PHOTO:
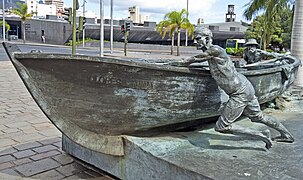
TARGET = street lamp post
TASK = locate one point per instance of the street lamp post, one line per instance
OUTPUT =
(101, 28)
(3, 21)
(111, 26)
(74, 27)
(83, 31)
(186, 33)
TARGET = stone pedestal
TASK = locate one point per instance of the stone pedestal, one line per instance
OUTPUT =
(203, 154)
(136, 164)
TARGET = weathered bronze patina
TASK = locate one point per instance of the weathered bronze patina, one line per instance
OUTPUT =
(242, 99)
(95, 101)
(252, 54)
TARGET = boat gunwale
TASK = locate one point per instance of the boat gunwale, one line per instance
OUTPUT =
(114, 60)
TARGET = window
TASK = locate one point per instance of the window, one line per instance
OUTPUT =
(214, 28)
(234, 28)
(231, 43)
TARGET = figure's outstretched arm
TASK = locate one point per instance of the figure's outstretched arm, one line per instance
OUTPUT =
(272, 54)
(194, 59)
(278, 56)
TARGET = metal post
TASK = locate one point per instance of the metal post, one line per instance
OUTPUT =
(125, 42)
(111, 27)
(187, 8)
(74, 28)
(186, 33)
(3, 21)
(83, 31)
(101, 28)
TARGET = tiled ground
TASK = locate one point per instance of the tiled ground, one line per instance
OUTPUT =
(30, 146)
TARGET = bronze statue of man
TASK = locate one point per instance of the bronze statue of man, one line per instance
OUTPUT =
(252, 54)
(242, 99)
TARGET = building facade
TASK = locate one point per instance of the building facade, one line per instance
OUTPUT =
(40, 9)
(135, 16)
(31, 6)
(57, 3)
(200, 21)
(44, 9)
(230, 15)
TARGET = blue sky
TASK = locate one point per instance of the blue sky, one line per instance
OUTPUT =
(212, 11)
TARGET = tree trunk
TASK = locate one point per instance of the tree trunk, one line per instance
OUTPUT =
(297, 38)
(178, 43)
(186, 37)
(264, 45)
(23, 27)
(172, 44)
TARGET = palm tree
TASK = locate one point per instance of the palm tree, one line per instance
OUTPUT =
(297, 38)
(273, 7)
(271, 15)
(175, 21)
(162, 25)
(7, 26)
(22, 13)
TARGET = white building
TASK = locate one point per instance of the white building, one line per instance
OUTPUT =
(135, 16)
(143, 18)
(57, 3)
(41, 10)
(31, 6)
(200, 21)
(44, 9)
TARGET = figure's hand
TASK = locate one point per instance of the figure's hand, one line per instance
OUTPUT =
(220, 60)
(182, 63)
(287, 54)
(202, 55)
(194, 59)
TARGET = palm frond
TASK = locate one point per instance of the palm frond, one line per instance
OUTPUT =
(253, 7)
(173, 22)
(171, 28)
(21, 11)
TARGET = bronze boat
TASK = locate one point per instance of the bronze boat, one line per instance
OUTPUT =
(96, 101)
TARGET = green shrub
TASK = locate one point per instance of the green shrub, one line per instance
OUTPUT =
(79, 42)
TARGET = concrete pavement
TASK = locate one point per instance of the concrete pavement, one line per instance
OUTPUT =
(30, 146)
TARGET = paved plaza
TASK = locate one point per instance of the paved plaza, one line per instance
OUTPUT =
(30, 145)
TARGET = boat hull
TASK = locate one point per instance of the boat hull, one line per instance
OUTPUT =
(95, 101)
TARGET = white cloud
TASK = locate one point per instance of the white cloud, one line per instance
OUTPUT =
(156, 9)
(210, 10)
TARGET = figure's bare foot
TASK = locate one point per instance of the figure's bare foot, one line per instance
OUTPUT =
(265, 137)
(284, 138)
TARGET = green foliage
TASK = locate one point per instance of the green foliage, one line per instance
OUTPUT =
(240, 52)
(276, 29)
(270, 7)
(79, 42)
(7, 26)
(255, 30)
(286, 25)
(22, 11)
(277, 20)
(173, 22)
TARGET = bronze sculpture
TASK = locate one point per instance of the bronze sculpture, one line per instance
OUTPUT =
(242, 99)
(252, 54)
